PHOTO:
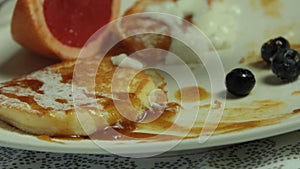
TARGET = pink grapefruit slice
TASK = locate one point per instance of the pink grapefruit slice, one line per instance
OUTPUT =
(59, 29)
(141, 24)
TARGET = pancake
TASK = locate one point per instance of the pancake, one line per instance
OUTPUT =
(44, 101)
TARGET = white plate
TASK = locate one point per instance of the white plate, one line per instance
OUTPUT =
(271, 108)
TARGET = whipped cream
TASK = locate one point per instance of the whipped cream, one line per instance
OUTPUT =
(218, 23)
(123, 60)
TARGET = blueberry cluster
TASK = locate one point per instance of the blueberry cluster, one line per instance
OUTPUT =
(285, 62)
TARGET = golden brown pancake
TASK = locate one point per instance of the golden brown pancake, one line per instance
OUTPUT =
(43, 102)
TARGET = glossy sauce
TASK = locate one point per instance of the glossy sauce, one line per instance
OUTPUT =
(28, 99)
(114, 134)
(127, 130)
(272, 8)
(192, 94)
(296, 47)
(63, 101)
(48, 139)
(34, 85)
(130, 131)
(255, 114)
(296, 93)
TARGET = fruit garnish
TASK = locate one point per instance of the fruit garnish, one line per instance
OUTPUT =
(286, 65)
(272, 46)
(240, 82)
(140, 39)
(59, 29)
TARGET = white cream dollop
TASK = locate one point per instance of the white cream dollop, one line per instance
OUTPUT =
(123, 60)
(219, 22)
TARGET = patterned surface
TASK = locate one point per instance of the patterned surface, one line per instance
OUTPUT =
(277, 152)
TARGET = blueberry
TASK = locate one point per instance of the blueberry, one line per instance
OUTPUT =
(286, 65)
(269, 48)
(240, 82)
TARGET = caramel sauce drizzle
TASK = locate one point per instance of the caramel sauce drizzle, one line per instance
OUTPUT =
(234, 121)
(28, 99)
(192, 94)
(34, 85)
(49, 139)
(164, 122)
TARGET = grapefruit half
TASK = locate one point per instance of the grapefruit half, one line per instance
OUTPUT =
(140, 25)
(59, 29)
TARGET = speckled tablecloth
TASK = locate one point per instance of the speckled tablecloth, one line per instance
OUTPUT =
(276, 152)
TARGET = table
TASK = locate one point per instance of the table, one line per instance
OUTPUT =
(277, 152)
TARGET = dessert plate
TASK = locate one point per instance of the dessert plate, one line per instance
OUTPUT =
(272, 108)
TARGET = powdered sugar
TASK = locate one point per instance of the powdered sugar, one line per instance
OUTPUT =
(52, 89)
